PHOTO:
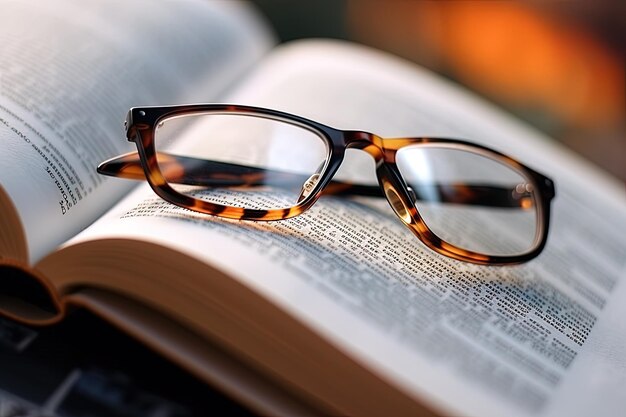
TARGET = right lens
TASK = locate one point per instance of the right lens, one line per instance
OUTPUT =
(240, 160)
(472, 199)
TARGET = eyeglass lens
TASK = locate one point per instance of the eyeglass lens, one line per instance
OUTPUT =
(240, 160)
(470, 200)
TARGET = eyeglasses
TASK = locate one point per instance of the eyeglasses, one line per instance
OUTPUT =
(462, 200)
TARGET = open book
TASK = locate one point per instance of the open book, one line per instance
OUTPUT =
(338, 311)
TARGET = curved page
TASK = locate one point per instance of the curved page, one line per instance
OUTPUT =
(69, 72)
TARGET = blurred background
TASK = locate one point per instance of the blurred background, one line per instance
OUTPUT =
(559, 65)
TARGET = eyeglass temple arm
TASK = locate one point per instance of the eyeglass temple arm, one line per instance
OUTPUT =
(194, 171)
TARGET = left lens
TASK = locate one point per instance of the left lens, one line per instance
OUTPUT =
(240, 160)
(471, 198)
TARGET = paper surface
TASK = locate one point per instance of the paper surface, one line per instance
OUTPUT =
(69, 73)
(543, 338)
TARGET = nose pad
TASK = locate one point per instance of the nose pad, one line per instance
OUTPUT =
(308, 186)
(398, 205)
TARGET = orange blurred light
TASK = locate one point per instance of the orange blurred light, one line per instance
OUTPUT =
(507, 50)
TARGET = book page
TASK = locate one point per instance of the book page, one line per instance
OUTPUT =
(69, 72)
(542, 338)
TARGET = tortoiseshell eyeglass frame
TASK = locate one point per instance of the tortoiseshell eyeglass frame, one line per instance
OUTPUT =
(142, 121)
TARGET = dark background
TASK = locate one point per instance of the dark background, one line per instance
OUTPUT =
(557, 65)
(84, 367)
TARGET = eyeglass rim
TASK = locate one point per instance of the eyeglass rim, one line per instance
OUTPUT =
(151, 116)
(140, 127)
